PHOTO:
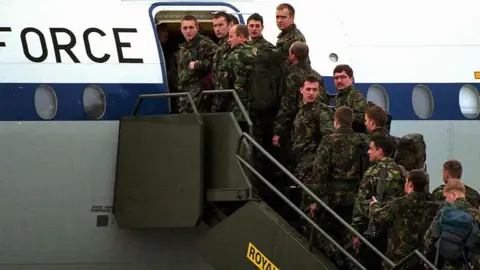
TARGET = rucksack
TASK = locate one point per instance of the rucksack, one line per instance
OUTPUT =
(458, 235)
(411, 151)
(265, 79)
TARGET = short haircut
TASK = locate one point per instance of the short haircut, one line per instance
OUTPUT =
(378, 115)
(341, 68)
(255, 17)
(419, 179)
(344, 116)
(384, 143)
(454, 168)
(241, 29)
(455, 185)
(290, 8)
(300, 50)
(224, 15)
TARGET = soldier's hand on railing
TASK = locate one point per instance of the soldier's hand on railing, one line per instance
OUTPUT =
(275, 140)
(356, 242)
(313, 208)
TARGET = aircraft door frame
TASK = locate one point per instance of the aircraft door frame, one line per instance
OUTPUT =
(180, 6)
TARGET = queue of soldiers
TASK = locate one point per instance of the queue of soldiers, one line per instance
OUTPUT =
(343, 153)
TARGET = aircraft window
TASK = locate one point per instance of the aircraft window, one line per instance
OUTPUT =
(378, 95)
(333, 57)
(94, 101)
(46, 102)
(469, 101)
(422, 100)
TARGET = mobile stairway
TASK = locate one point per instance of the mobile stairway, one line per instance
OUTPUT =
(194, 170)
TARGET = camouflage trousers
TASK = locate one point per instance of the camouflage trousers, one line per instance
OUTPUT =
(184, 105)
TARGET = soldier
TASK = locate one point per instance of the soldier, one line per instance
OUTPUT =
(194, 61)
(375, 121)
(222, 22)
(314, 120)
(454, 193)
(285, 16)
(383, 176)
(234, 19)
(403, 219)
(452, 169)
(349, 96)
(290, 100)
(255, 29)
(240, 65)
(339, 164)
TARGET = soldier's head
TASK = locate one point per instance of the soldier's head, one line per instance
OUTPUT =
(452, 169)
(342, 77)
(453, 190)
(298, 52)
(380, 147)
(255, 26)
(343, 117)
(162, 31)
(234, 19)
(189, 27)
(222, 22)
(310, 89)
(375, 117)
(285, 16)
(238, 35)
(416, 181)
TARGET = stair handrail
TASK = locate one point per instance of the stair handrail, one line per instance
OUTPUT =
(237, 100)
(316, 198)
(142, 97)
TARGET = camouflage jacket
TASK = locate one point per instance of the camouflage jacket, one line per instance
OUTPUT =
(287, 37)
(433, 234)
(240, 67)
(368, 188)
(353, 99)
(313, 121)
(261, 43)
(291, 101)
(338, 166)
(219, 66)
(471, 195)
(199, 49)
(403, 219)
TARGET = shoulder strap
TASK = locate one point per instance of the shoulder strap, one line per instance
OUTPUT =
(381, 184)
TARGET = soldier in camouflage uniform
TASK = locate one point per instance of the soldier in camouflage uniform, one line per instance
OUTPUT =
(194, 60)
(454, 193)
(403, 219)
(240, 66)
(290, 100)
(314, 120)
(349, 96)
(339, 164)
(285, 15)
(375, 121)
(222, 22)
(452, 169)
(255, 29)
(379, 152)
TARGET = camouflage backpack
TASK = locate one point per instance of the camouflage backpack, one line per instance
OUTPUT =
(265, 79)
(411, 151)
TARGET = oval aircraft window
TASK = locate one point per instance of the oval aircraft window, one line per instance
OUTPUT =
(468, 99)
(422, 100)
(94, 101)
(378, 95)
(46, 103)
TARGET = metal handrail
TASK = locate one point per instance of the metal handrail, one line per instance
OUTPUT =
(315, 197)
(326, 207)
(307, 218)
(237, 100)
(409, 256)
(164, 95)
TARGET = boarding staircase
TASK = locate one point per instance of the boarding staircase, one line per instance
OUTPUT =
(194, 170)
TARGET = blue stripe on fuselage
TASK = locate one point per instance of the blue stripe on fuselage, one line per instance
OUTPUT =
(17, 100)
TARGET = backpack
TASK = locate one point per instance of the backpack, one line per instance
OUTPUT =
(411, 151)
(458, 235)
(265, 79)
